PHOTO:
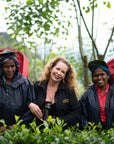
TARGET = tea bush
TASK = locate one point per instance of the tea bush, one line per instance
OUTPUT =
(52, 133)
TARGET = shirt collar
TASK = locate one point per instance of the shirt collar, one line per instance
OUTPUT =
(106, 90)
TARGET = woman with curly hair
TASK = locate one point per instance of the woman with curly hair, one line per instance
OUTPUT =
(57, 87)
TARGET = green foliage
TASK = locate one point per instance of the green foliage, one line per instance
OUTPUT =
(35, 71)
(53, 133)
(41, 19)
(35, 17)
(6, 41)
(108, 4)
(90, 7)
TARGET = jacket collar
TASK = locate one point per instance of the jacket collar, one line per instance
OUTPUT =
(108, 99)
(17, 80)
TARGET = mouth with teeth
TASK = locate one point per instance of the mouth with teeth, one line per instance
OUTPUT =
(57, 77)
(100, 82)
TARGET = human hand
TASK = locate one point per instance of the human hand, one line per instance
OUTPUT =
(36, 110)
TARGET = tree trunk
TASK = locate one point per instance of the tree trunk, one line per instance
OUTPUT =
(85, 71)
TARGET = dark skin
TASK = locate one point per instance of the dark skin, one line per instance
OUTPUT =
(9, 69)
(100, 78)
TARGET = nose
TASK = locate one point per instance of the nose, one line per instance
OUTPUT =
(59, 72)
(9, 68)
(99, 77)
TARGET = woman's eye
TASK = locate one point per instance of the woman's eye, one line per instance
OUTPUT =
(102, 74)
(57, 68)
(12, 66)
(5, 66)
(63, 72)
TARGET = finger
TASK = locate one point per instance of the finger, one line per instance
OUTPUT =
(39, 114)
(41, 119)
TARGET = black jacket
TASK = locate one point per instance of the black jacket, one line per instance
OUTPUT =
(66, 103)
(90, 107)
(14, 98)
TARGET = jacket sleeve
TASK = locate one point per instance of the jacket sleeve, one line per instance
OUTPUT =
(73, 117)
(84, 113)
(27, 118)
(30, 94)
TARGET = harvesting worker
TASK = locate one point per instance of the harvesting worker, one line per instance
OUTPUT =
(97, 102)
(57, 86)
(16, 91)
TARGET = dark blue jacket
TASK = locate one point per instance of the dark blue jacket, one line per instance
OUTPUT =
(90, 107)
(66, 104)
(14, 98)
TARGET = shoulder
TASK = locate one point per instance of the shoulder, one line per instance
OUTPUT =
(41, 84)
(20, 80)
(91, 87)
(68, 90)
(25, 82)
(63, 85)
(111, 88)
(89, 91)
(36, 83)
(112, 84)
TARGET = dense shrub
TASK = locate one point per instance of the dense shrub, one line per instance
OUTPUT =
(54, 134)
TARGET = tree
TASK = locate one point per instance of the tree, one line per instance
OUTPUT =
(6, 42)
(41, 18)
(95, 53)
(34, 18)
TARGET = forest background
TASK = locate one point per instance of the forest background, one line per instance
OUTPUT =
(79, 31)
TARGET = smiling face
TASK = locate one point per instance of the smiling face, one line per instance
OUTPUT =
(58, 72)
(100, 77)
(9, 69)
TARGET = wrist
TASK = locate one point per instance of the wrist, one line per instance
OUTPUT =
(30, 104)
